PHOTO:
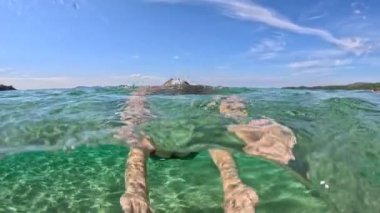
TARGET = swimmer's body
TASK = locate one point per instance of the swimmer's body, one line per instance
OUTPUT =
(263, 137)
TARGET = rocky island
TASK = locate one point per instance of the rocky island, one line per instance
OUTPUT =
(5, 88)
(356, 86)
(179, 86)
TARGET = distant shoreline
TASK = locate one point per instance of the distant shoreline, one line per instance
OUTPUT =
(375, 87)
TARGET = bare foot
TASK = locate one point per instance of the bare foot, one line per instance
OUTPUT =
(267, 139)
(240, 198)
(134, 203)
(233, 107)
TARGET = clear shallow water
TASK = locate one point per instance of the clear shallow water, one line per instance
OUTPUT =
(58, 151)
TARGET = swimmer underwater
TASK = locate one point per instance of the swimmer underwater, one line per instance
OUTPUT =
(261, 137)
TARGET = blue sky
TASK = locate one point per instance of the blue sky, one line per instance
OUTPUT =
(255, 43)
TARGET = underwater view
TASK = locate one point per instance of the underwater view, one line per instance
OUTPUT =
(189, 106)
(59, 153)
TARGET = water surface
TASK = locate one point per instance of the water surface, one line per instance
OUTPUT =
(58, 152)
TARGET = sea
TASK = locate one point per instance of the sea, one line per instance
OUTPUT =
(59, 153)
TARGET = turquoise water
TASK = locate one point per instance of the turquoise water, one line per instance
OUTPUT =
(58, 153)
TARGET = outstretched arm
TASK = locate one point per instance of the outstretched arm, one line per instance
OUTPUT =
(136, 196)
(263, 138)
(237, 196)
(226, 165)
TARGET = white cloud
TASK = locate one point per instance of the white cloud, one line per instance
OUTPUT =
(316, 17)
(267, 48)
(249, 11)
(327, 54)
(6, 69)
(139, 76)
(37, 78)
(318, 64)
(176, 57)
(135, 79)
(359, 9)
(322, 67)
(136, 57)
(36, 82)
(250, 80)
(42, 82)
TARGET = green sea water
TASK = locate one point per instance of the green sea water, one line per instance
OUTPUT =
(58, 153)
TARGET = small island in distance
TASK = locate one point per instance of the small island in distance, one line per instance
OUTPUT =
(355, 86)
(5, 88)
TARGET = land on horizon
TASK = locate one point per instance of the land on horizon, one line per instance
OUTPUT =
(375, 86)
(354, 86)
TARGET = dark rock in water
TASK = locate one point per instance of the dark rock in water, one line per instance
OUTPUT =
(175, 82)
(178, 86)
(4, 88)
